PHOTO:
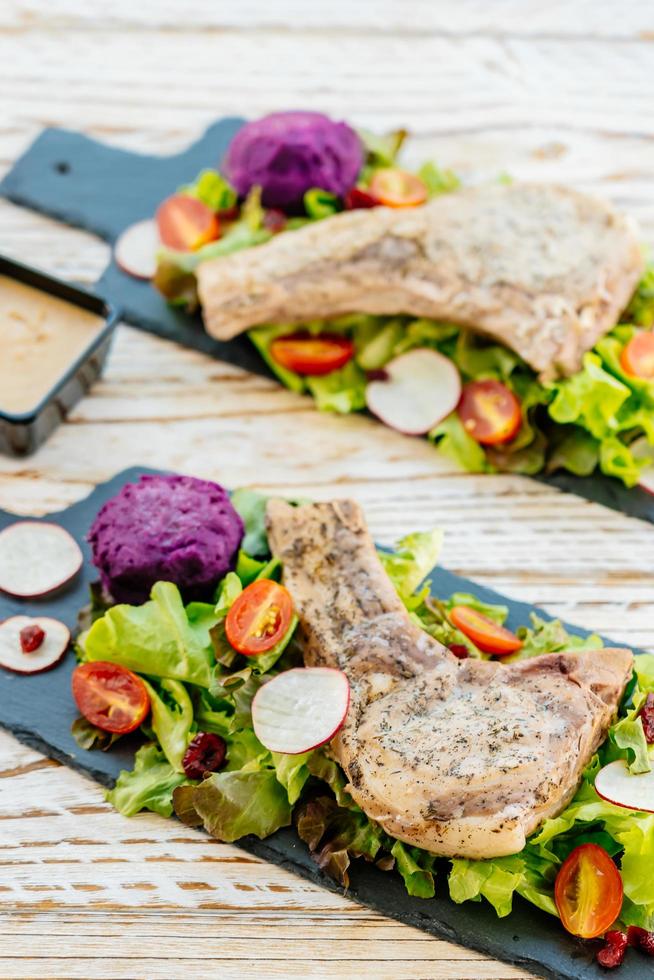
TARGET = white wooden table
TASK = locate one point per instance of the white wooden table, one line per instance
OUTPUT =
(557, 91)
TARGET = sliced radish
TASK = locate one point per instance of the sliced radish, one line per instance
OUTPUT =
(300, 709)
(615, 784)
(417, 391)
(136, 249)
(54, 645)
(37, 557)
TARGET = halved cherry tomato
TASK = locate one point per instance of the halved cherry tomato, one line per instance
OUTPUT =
(185, 223)
(314, 356)
(588, 891)
(490, 412)
(637, 357)
(110, 696)
(259, 617)
(397, 188)
(484, 633)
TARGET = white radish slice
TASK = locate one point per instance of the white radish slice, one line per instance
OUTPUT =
(36, 558)
(55, 643)
(418, 390)
(615, 784)
(300, 709)
(136, 249)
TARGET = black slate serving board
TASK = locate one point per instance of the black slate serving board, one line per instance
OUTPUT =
(39, 710)
(104, 190)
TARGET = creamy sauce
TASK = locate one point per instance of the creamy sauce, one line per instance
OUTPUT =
(40, 338)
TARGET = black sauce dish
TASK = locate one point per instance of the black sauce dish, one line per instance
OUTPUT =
(21, 433)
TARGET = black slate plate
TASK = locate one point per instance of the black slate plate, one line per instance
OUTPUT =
(39, 711)
(104, 189)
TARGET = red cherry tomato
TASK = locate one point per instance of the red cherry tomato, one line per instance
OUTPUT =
(588, 891)
(637, 357)
(185, 223)
(397, 188)
(259, 618)
(304, 354)
(484, 633)
(490, 412)
(111, 697)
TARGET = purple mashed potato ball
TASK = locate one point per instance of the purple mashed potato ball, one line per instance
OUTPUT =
(287, 153)
(165, 528)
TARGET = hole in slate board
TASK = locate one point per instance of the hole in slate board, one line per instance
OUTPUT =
(62, 167)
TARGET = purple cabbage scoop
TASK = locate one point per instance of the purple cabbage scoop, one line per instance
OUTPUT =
(172, 528)
(287, 153)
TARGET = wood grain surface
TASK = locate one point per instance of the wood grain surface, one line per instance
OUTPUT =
(558, 91)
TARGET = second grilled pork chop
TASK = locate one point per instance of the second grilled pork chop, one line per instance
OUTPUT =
(544, 270)
(463, 758)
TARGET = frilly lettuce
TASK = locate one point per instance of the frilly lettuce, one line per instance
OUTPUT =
(148, 786)
(158, 638)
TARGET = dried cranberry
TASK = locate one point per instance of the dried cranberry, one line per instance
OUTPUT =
(205, 753)
(31, 638)
(612, 954)
(274, 220)
(356, 198)
(377, 374)
(641, 938)
(459, 650)
(647, 718)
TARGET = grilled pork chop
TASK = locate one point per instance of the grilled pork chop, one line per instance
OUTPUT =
(463, 758)
(544, 270)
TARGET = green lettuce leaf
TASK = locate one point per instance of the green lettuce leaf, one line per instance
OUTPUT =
(590, 398)
(381, 149)
(478, 359)
(413, 558)
(550, 636)
(252, 508)
(417, 869)
(574, 450)
(641, 307)
(320, 204)
(232, 805)
(437, 180)
(629, 735)
(148, 786)
(453, 440)
(292, 772)
(341, 391)
(156, 638)
(171, 718)
(88, 736)
(497, 881)
(212, 189)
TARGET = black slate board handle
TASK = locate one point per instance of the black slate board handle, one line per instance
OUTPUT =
(102, 188)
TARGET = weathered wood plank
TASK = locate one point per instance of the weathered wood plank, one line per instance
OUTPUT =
(366, 19)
